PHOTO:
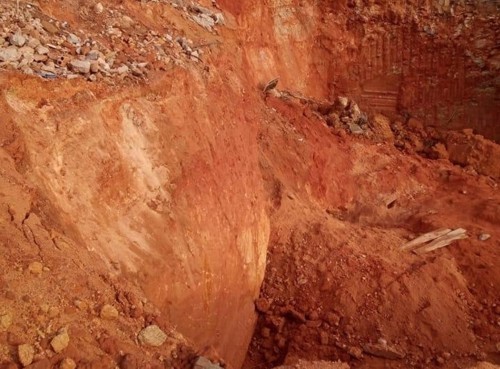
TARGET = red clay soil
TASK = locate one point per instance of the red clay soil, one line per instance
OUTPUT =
(171, 195)
(336, 278)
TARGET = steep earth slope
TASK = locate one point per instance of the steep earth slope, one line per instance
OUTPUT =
(141, 157)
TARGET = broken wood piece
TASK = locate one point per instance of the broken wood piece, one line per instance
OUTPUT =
(443, 241)
(425, 238)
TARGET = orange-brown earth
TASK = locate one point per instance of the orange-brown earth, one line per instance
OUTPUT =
(173, 196)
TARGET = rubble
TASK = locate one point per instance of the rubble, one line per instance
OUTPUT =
(50, 49)
(152, 336)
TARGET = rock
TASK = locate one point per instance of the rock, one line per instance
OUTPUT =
(42, 50)
(74, 39)
(323, 338)
(484, 237)
(109, 312)
(126, 22)
(36, 268)
(17, 39)
(341, 103)
(98, 8)
(152, 336)
(67, 363)
(122, 70)
(382, 127)
(25, 354)
(355, 129)
(383, 351)
(80, 66)
(203, 363)
(94, 66)
(40, 58)
(33, 42)
(355, 352)
(262, 305)
(5, 321)
(60, 341)
(49, 27)
(93, 55)
(9, 54)
(204, 20)
(438, 151)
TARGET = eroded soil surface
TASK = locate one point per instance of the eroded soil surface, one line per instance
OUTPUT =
(156, 205)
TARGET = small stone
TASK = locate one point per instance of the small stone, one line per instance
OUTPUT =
(80, 66)
(5, 321)
(67, 363)
(93, 55)
(109, 312)
(122, 70)
(440, 360)
(60, 342)
(203, 363)
(42, 50)
(342, 102)
(33, 42)
(152, 336)
(484, 237)
(81, 305)
(355, 129)
(49, 27)
(40, 58)
(98, 8)
(355, 352)
(126, 22)
(25, 354)
(17, 39)
(94, 67)
(74, 39)
(36, 268)
(9, 54)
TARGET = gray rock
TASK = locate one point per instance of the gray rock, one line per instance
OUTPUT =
(9, 54)
(74, 39)
(203, 363)
(17, 39)
(80, 66)
(152, 336)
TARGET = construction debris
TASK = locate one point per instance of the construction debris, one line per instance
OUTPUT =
(440, 238)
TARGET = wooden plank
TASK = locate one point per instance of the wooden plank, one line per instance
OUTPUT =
(425, 238)
(447, 239)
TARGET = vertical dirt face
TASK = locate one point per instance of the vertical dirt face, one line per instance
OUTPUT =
(432, 60)
(162, 186)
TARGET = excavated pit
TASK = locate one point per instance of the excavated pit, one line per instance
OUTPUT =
(256, 229)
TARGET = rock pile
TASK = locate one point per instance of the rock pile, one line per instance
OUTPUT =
(35, 44)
